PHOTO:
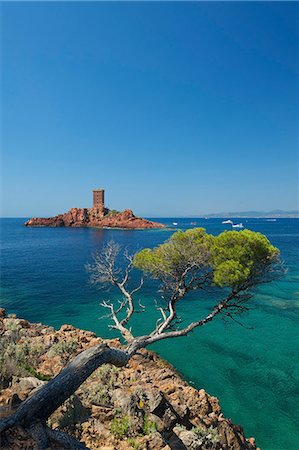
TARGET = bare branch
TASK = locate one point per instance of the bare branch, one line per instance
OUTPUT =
(127, 335)
(121, 306)
(185, 266)
(158, 335)
(138, 287)
(103, 270)
(129, 300)
(141, 306)
(129, 266)
(179, 294)
(163, 313)
(144, 341)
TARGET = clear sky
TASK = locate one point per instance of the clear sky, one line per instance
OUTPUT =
(176, 109)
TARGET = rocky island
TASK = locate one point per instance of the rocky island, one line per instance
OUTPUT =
(145, 405)
(98, 216)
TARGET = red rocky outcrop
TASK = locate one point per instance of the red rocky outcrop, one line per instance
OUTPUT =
(147, 391)
(93, 217)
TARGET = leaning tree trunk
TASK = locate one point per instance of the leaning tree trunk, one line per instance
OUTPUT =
(33, 413)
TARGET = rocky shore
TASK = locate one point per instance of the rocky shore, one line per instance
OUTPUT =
(145, 405)
(94, 217)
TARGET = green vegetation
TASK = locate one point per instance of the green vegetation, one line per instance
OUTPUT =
(99, 396)
(205, 438)
(120, 427)
(13, 326)
(149, 426)
(134, 444)
(233, 263)
(32, 371)
(240, 256)
(107, 374)
(113, 212)
(232, 258)
(210, 435)
(98, 393)
(125, 426)
(65, 349)
(18, 356)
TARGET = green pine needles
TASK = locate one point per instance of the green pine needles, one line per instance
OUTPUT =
(231, 259)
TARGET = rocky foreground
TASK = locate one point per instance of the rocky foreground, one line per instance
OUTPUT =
(93, 217)
(143, 406)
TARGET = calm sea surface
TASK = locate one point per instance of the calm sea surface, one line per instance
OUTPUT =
(253, 372)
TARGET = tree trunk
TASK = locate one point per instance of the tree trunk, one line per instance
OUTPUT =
(39, 407)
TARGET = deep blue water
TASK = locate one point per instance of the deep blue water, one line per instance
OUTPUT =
(253, 372)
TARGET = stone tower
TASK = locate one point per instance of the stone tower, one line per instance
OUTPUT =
(98, 199)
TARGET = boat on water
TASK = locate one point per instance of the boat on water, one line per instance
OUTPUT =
(228, 221)
(193, 223)
(174, 223)
(271, 220)
(237, 225)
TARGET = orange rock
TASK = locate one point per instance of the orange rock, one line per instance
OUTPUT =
(147, 386)
(92, 217)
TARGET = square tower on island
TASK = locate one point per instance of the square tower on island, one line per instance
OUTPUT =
(98, 199)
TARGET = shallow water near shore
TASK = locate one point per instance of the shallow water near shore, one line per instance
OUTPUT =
(253, 371)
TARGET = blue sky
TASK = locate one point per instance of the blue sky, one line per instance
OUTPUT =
(176, 109)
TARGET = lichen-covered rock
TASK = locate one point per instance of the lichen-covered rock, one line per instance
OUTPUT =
(26, 384)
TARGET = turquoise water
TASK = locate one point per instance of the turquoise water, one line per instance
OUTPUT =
(253, 372)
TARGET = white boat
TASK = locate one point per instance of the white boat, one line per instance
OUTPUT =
(238, 225)
(228, 221)
(174, 223)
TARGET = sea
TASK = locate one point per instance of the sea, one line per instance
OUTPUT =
(251, 368)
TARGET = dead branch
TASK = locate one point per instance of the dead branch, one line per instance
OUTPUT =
(127, 335)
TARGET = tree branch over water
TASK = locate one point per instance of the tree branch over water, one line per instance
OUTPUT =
(193, 261)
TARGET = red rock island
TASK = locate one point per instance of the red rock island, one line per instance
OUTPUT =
(97, 216)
